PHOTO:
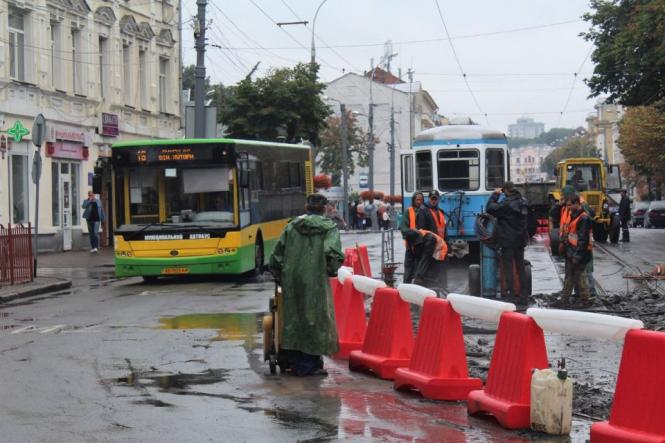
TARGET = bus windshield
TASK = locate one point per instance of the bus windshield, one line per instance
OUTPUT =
(189, 194)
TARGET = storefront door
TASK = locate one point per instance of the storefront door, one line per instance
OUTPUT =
(66, 205)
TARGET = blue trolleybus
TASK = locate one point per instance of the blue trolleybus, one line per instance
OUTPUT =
(465, 163)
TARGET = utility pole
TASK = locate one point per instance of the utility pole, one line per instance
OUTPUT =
(370, 142)
(392, 148)
(200, 72)
(410, 74)
(345, 169)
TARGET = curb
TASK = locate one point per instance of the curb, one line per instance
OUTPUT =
(48, 287)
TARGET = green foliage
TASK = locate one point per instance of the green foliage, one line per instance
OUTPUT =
(573, 147)
(287, 102)
(329, 154)
(189, 80)
(642, 141)
(629, 36)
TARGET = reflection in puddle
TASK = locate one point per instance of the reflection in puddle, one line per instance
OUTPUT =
(169, 382)
(230, 326)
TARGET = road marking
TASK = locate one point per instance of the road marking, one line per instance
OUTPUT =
(24, 329)
(56, 328)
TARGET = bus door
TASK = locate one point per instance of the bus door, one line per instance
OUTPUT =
(243, 190)
(408, 176)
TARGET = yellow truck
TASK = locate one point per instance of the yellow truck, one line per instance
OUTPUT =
(598, 184)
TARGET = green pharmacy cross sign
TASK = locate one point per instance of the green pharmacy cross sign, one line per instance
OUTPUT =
(18, 131)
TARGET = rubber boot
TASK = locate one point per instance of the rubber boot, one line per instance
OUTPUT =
(625, 237)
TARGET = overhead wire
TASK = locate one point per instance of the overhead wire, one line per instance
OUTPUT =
(459, 64)
(572, 85)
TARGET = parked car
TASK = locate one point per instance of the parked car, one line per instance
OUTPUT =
(639, 210)
(655, 216)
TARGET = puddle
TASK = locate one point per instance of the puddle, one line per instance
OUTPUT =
(229, 326)
(170, 382)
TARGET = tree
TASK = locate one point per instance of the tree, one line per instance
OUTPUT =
(629, 36)
(329, 154)
(286, 103)
(189, 80)
(553, 137)
(642, 141)
(573, 147)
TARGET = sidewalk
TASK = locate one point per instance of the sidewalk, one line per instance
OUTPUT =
(61, 260)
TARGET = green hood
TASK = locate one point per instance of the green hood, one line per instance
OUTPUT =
(313, 224)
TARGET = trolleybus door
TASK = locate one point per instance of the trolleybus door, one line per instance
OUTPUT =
(408, 175)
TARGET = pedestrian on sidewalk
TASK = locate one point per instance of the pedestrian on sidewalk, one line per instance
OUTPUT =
(624, 216)
(578, 246)
(511, 234)
(94, 215)
(307, 254)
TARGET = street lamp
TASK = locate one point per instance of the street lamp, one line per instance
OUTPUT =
(313, 49)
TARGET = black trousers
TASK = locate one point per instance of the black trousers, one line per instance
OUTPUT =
(625, 234)
(516, 256)
(409, 265)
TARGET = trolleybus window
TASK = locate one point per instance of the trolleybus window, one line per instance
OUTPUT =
(494, 168)
(408, 173)
(459, 170)
(424, 171)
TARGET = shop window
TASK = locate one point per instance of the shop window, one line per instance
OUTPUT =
(18, 188)
(72, 170)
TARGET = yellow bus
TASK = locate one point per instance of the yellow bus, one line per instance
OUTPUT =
(203, 206)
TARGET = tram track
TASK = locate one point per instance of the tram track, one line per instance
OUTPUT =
(660, 290)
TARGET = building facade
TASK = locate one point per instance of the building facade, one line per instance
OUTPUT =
(526, 163)
(603, 127)
(414, 111)
(100, 72)
(525, 128)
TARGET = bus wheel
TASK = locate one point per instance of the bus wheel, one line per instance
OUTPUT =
(149, 278)
(258, 255)
(474, 280)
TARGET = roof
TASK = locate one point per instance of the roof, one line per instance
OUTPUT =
(382, 76)
(202, 141)
(459, 134)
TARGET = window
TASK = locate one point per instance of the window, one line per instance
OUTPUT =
(103, 44)
(55, 55)
(583, 177)
(143, 79)
(163, 84)
(16, 45)
(143, 197)
(55, 194)
(77, 69)
(18, 188)
(459, 170)
(424, 171)
(494, 168)
(127, 73)
(408, 173)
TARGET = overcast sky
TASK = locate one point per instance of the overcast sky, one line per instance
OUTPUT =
(520, 56)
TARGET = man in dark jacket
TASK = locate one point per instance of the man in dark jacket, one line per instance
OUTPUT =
(578, 247)
(624, 216)
(511, 235)
(407, 224)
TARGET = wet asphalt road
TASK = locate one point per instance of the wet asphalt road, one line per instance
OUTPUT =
(120, 360)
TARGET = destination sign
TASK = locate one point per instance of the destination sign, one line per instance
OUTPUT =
(173, 155)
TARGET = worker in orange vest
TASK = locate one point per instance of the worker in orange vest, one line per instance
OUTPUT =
(431, 223)
(578, 246)
(408, 224)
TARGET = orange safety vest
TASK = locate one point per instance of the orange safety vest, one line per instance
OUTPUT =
(412, 218)
(572, 232)
(441, 249)
(564, 221)
(440, 221)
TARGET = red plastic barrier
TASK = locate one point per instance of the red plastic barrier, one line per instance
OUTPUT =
(519, 348)
(638, 409)
(389, 338)
(358, 259)
(350, 318)
(438, 365)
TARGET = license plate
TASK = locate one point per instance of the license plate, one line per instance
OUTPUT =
(175, 271)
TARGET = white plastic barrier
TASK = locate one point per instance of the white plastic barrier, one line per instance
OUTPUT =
(414, 294)
(366, 285)
(583, 324)
(343, 273)
(480, 308)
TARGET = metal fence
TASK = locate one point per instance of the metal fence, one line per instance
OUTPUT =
(16, 259)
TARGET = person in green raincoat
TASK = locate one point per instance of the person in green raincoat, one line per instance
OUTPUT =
(308, 252)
